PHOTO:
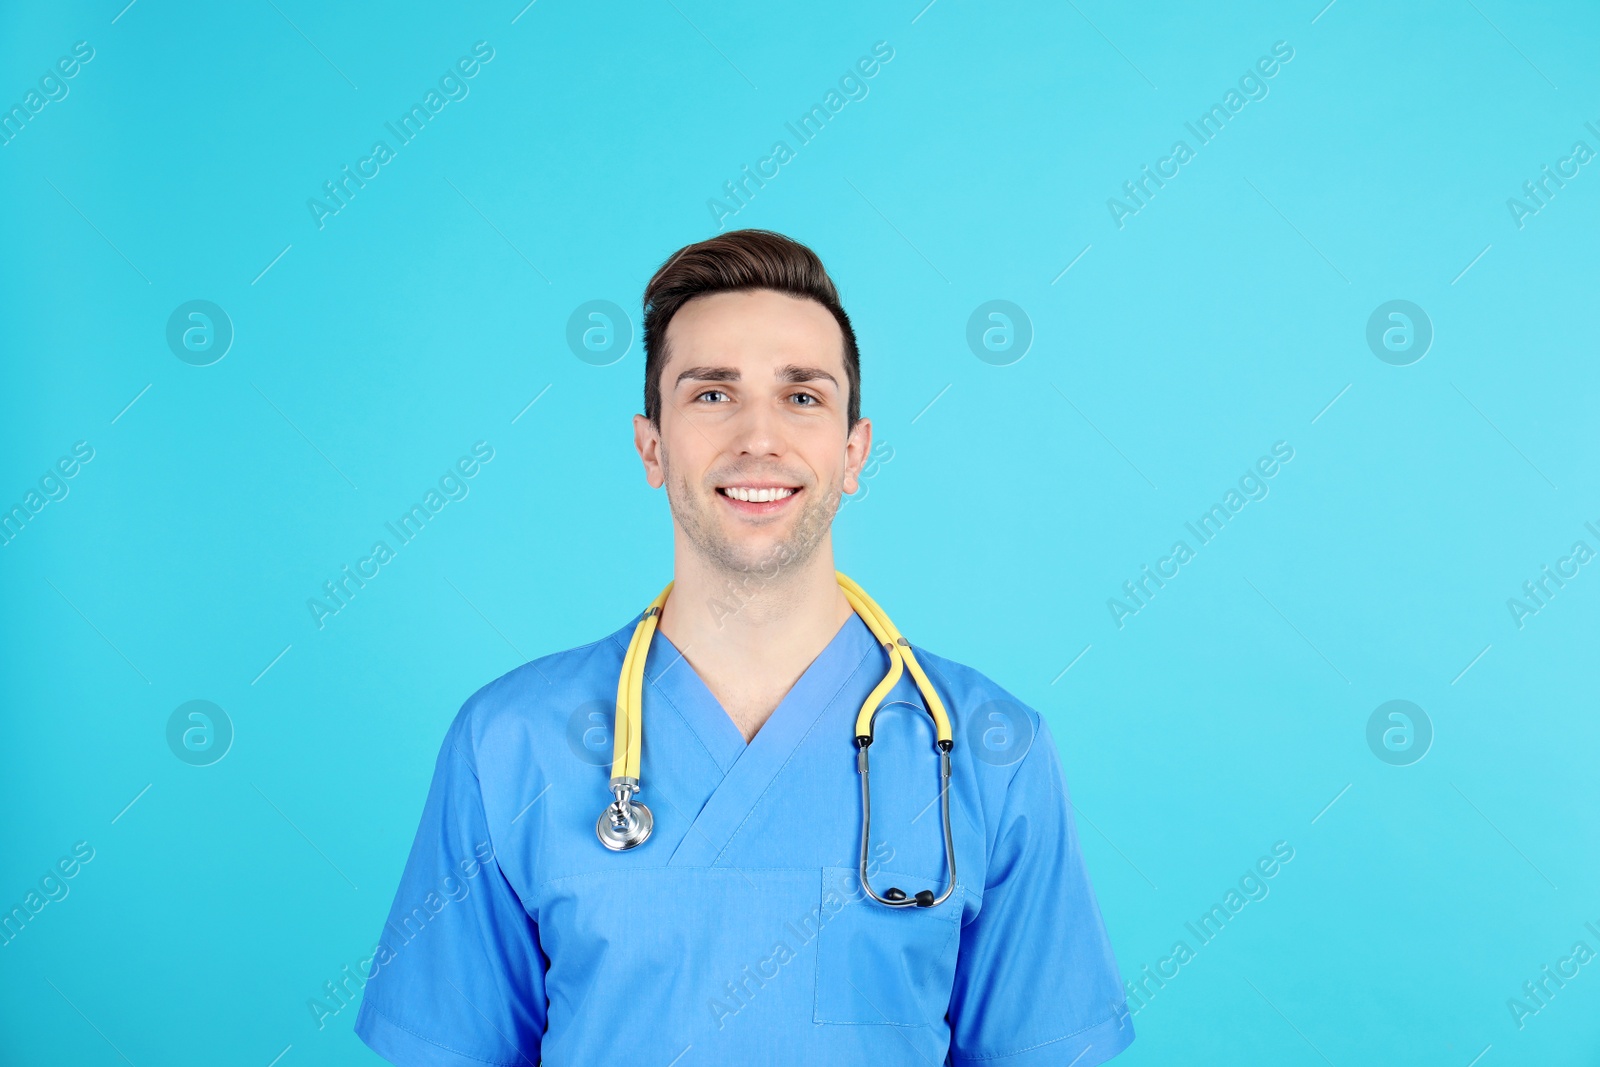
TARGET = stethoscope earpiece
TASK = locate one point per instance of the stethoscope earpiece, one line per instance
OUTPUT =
(895, 895)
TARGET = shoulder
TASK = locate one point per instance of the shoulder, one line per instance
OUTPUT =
(529, 708)
(972, 697)
(1003, 745)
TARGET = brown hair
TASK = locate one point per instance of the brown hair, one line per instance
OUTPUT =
(738, 260)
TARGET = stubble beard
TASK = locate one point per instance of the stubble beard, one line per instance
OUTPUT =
(818, 505)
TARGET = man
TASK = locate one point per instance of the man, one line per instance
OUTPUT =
(740, 931)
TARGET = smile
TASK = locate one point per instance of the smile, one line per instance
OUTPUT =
(758, 499)
(753, 495)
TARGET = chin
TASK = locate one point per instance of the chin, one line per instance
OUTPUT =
(752, 552)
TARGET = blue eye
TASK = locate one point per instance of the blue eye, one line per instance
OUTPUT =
(711, 392)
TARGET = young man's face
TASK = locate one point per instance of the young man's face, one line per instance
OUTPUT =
(753, 447)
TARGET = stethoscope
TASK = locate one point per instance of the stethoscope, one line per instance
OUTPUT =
(626, 823)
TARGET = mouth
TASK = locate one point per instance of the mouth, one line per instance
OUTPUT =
(759, 499)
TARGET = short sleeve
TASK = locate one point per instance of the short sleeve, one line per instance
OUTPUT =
(458, 977)
(1036, 982)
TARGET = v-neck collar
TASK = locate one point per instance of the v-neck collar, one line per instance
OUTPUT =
(669, 673)
(748, 769)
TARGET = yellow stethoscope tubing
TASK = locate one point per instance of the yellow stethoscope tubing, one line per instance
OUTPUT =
(899, 649)
(629, 730)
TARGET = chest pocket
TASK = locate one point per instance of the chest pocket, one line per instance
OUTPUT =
(877, 964)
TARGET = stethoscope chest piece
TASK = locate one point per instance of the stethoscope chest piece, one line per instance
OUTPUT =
(625, 823)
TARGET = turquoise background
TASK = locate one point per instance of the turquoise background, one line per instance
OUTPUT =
(1228, 314)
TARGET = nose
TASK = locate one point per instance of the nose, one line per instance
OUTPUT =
(757, 432)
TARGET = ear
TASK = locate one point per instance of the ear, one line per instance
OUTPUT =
(647, 441)
(857, 446)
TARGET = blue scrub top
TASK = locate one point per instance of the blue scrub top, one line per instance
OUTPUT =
(739, 933)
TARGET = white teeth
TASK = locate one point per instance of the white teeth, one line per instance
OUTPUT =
(757, 496)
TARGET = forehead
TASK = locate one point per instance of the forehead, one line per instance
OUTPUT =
(755, 327)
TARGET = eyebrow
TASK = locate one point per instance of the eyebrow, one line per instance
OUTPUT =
(789, 373)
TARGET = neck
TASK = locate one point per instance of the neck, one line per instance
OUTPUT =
(754, 616)
(750, 636)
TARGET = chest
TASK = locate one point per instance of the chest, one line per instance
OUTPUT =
(745, 905)
(750, 713)
(749, 702)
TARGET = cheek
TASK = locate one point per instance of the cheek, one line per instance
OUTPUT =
(820, 459)
(686, 449)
